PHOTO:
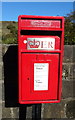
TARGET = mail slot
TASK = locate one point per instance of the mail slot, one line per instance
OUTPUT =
(40, 53)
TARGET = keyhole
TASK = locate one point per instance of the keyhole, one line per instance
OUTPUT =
(27, 78)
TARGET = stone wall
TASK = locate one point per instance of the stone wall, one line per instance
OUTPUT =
(9, 85)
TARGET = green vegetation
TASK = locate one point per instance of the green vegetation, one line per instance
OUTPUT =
(70, 29)
(9, 31)
(10, 37)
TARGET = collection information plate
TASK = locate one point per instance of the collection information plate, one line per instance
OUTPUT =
(41, 76)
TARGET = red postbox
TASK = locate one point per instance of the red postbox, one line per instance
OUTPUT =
(40, 52)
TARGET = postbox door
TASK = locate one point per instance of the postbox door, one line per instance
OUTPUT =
(39, 80)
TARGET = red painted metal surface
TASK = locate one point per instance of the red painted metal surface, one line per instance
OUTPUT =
(24, 37)
(40, 24)
(28, 92)
(33, 31)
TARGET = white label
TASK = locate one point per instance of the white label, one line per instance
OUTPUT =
(41, 43)
(41, 76)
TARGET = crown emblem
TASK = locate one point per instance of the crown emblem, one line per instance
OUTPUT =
(34, 43)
